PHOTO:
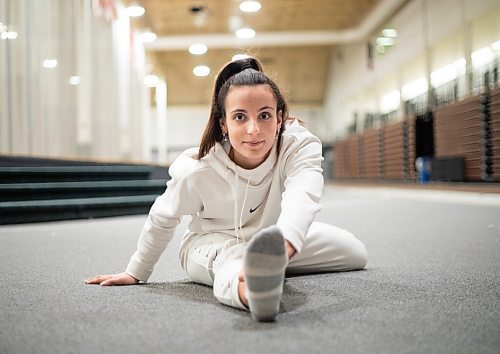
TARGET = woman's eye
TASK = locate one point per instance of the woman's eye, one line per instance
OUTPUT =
(265, 115)
(239, 117)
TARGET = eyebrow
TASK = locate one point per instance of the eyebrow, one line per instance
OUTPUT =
(244, 111)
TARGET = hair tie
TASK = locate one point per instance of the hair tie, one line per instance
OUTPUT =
(245, 66)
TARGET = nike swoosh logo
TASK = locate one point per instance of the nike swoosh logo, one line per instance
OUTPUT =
(257, 207)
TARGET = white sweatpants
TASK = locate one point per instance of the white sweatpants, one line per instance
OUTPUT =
(216, 259)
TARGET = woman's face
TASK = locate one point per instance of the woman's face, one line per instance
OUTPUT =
(251, 123)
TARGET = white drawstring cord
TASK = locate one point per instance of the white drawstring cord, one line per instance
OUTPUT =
(235, 216)
(239, 221)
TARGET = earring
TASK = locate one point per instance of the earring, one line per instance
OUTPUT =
(224, 136)
(277, 135)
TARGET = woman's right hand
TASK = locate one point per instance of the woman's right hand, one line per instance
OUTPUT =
(113, 279)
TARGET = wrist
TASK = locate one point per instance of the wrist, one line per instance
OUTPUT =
(130, 275)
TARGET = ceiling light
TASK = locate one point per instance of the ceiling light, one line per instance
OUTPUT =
(250, 6)
(389, 32)
(74, 80)
(385, 41)
(151, 80)
(8, 35)
(148, 37)
(201, 70)
(49, 63)
(135, 10)
(198, 49)
(239, 57)
(245, 33)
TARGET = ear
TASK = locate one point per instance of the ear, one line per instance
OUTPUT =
(223, 125)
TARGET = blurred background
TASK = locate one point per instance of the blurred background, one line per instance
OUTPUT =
(400, 90)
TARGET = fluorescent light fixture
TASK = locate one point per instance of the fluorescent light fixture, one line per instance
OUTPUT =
(250, 6)
(148, 37)
(482, 57)
(201, 70)
(151, 80)
(245, 33)
(385, 41)
(414, 89)
(390, 102)
(239, 57)
(74, 80)
(380, 49)
(443, 75)
(49, 63)
(389, 32)
(198, 49)
(135, 11)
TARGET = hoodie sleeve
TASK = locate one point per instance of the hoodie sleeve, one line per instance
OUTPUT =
(180, 198)
(303, 187)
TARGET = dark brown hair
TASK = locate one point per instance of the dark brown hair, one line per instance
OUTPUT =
(244, 72)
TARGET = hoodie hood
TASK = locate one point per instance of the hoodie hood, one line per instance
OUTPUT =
(219, 159)
(241, 180)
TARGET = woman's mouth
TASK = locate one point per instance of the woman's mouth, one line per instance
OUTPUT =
(254, 143)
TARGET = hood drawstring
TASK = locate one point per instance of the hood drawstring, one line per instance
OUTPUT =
(235, 195)
(238, 219)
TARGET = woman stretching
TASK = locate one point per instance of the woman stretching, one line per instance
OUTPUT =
(252, 189)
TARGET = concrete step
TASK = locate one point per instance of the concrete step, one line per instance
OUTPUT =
(14, 212)
(73, 173)
(80, 189)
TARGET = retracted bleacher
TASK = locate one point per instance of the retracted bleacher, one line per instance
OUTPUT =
(461, 138)
(36, 190)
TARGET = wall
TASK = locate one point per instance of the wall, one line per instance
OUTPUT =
(101, 114)
(185, 125)
(430, 33)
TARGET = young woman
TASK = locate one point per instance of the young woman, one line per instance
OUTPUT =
(252, 189)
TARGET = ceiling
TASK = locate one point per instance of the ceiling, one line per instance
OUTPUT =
(294, 40)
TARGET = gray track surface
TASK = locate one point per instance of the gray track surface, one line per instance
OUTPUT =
(431, 286)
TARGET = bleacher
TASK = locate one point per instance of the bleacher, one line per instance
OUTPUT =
(462, 139)
(35, 190)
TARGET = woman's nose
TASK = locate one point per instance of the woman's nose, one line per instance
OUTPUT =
(253, 127)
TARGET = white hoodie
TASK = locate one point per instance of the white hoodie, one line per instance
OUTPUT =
(222, 197)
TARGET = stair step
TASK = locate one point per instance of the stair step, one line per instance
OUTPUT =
(38, 204)
(77, 208)
(37, 190)
(68, 190)
(73, 173)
